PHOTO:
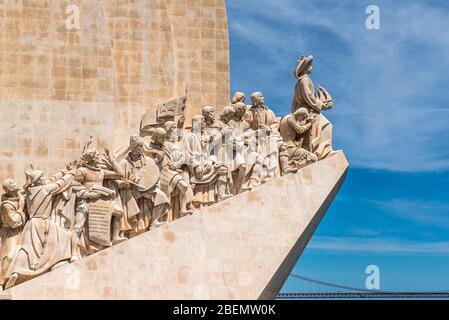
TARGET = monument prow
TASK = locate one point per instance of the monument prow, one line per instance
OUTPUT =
(240, 248)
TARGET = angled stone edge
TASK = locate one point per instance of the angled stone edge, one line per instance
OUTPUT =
(277, 281)
(241, 248)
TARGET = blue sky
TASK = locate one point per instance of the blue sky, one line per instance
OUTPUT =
(391, 118)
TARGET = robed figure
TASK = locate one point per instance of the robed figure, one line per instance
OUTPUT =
(45, 244)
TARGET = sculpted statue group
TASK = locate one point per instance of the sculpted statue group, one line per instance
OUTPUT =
(100, 200)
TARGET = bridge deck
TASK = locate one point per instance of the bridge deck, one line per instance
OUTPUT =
(362, 295)
(304, 288)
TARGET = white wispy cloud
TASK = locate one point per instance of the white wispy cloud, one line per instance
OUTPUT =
(422, 212)
(390, 84)
(364, 232)
(377, 245)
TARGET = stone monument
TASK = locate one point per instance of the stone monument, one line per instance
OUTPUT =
(195, 206)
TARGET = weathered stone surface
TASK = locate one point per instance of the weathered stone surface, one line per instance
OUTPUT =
(241, 248)
(57, 86)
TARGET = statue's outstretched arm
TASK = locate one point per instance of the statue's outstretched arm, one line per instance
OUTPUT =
(61, 184)
(117, 171)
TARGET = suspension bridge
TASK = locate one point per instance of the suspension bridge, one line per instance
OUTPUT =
(306, 288)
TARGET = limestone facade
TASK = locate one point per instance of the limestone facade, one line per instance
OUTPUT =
(58, 85)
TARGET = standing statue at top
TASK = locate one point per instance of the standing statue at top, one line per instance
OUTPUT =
(314, 101)
(305, 96)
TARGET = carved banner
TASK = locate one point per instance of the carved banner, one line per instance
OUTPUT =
(100, 216)
(169, 111)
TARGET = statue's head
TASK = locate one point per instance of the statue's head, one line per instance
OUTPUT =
(304, 66)
(301, 114)
(227, 114)
(91, 156)
(148, 132)
(136, 144)
(208, 113)
(257, 99)
(35, 177)
(159, 136)
(238, 97)
(171, 128)
(10, 186)
(239, 110)
(198, 123)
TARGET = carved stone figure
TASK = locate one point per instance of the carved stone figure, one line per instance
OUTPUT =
(227, 131)
(238, 97)
(45, 244)
(246, 149)
(295, 130)
(266, 126)
(260, 116)
(170, 164)
(226, 115)
(143, 202)
(97, 201)
(314, 101)
(235, 154)
(212, 134)
(238, 121)
(12, 220)
(210, 180)
(305, 96)
(174, 133)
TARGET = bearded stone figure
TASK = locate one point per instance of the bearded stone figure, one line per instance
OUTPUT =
(265, 124)
(210, 180)
(178, 156)
(173, 182)
(144, 204)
